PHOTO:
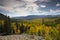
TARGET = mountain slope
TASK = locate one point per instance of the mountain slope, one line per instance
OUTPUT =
(2, 17)
(35, 17)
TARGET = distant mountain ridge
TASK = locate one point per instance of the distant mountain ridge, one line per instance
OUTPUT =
(35, 17)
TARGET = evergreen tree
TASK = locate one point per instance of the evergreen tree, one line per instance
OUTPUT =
(7, 26)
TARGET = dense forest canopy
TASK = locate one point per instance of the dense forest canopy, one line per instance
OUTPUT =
(46, 27)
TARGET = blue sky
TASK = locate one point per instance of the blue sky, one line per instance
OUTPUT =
(15, 8)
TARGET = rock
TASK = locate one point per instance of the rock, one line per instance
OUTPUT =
(21, 37)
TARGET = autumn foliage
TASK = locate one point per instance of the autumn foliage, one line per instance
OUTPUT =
(49, 28)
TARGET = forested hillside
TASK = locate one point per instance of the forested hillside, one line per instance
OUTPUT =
(49, 28)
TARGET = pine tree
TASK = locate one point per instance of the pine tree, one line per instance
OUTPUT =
(7, 26)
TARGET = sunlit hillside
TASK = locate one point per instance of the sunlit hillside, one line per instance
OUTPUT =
(48, 28)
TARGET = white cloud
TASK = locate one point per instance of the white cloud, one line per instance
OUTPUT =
(43, 6)
(44, 0)
(58, 4)
(54, 11)
(32, 8)
(22, 8)
(30, 0)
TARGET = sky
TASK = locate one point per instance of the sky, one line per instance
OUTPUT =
(14, 8)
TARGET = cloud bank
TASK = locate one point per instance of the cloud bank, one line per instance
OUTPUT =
(26, 7)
